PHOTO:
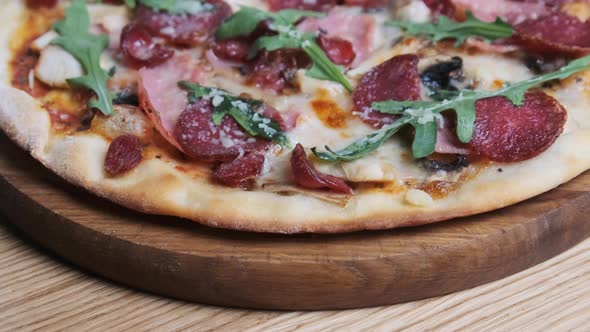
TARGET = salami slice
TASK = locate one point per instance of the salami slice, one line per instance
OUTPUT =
(123, 155)
(506, 133)
(395, 79)
(339, 50)
(189, 30)
(306, 176)
(555, 34)
(239, 171)
(201, 139)
(140, 49)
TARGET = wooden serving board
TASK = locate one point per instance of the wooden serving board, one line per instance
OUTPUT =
(183, 260)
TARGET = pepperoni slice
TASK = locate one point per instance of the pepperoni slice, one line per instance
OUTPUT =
(201, 139)
(189, 30)
(554, 34)
(123, 155)
(340, 51)
(239, 171)
(395, 79)
(506, 133)
(307, 176)
(140, 49)
(313, 5)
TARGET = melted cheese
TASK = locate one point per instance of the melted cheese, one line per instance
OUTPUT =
(55, 66)
(491, 71)
(415, 11)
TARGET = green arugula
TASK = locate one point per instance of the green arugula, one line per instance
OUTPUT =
(178, 7)
(242, 110)
(245, 21)
(446, 28)
(423, 115)
(86, 48)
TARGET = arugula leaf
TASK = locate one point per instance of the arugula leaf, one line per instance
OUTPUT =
(178, 7)
(245, 21)
(446, 28)
(242, 110)
(422, 115)
(86, 48)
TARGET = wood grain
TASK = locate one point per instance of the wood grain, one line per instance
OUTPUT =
(187, 261)
(40, 292)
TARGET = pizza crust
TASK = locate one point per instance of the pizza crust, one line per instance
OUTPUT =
(156, 186)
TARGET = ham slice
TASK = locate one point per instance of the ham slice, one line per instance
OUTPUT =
(160, 95)
(358, 29)
(513, 12)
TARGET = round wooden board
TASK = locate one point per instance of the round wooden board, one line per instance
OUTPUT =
(183, 260)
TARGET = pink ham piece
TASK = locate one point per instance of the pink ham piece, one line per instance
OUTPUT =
(511, 11)
(555, 34)
(160, 96)
(358, 29)
(447, 141)
(307, 176)
(394, 79)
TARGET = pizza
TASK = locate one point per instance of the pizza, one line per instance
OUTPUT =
(294, 116)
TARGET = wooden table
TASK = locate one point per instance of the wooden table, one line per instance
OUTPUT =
(40, 292)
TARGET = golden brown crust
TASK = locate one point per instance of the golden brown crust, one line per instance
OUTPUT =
(157, 186)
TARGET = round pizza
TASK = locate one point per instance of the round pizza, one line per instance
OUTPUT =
(296, 116)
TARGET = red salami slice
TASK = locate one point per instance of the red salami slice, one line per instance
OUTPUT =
(184, 29)
(201, 139)
(140, 49)
(307, 176)
(396, 79)
(506, 133)
(340, 51)
(313, 5)
(553, 34)
(123, 155)
(239, 171)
